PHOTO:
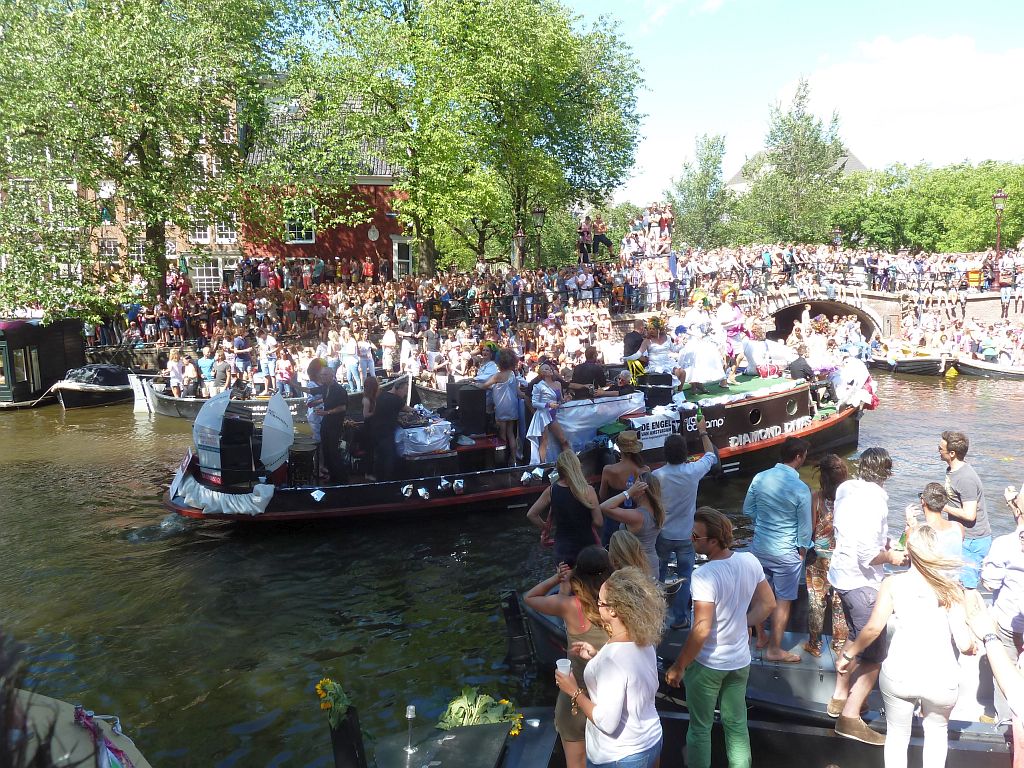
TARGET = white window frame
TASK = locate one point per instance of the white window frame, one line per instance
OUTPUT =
(171, 249)
(295, 233)
(195, 234)
(398, 271)
(106, 190)
(102, 252)
(137, 250)
(227, 230)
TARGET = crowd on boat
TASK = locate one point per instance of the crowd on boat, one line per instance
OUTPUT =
(615, 590)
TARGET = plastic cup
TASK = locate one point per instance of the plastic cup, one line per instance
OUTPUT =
(564, 666)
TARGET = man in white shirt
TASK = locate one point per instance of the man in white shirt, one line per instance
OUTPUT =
(730, 594)
(862, 549)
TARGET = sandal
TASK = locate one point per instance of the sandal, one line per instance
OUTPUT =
(813, 648)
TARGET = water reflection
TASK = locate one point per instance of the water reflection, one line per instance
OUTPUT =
(207, 638)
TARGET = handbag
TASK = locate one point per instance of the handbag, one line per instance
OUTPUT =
(769, 371)
(547, 538)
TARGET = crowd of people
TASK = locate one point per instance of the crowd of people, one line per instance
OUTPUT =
(614, 590)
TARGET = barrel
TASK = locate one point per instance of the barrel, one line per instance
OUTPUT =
(302, 461)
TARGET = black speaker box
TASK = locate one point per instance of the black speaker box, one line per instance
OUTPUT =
(473, 410)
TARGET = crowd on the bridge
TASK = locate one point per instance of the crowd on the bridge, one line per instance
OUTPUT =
(625, 575)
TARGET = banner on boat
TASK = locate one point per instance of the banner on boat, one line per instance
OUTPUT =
(652, 430)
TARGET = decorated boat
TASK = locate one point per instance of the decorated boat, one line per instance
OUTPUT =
(69, 732)
(970, 367)
(94, 385)
(455, 461)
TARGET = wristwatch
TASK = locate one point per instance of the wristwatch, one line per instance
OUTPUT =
(989, 638)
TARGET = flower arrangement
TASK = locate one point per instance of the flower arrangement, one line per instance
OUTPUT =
(475, 708)
(333, 700)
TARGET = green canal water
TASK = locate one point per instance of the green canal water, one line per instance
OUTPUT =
(207, 639)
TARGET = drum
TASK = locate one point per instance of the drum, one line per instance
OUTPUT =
(302, 462)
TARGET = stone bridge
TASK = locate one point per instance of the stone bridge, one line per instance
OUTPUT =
(785, 316)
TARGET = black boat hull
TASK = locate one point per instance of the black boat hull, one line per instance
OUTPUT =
(92, 398)
(916, 366)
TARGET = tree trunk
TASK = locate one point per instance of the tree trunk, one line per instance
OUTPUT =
(156, 241)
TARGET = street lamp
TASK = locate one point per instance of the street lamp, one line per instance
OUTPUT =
(999, 203)
(520, 240)
(538, 213)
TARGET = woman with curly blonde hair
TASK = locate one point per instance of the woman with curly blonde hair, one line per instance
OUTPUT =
(622, 678)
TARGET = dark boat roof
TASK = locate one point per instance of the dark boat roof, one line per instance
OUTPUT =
(103, 374)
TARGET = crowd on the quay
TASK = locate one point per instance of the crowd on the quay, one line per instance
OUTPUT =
(616, 594)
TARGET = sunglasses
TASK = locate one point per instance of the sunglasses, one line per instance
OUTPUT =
(603, 604)
(695, 537)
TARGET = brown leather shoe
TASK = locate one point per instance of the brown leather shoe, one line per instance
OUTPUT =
(856, 729)
(834, 708)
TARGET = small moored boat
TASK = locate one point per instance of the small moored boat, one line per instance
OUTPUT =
(970, 367)
(917, 365)
(93, 385)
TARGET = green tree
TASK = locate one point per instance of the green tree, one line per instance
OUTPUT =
(794, 178)
(137, 97)
(699, 199)
(486, 107)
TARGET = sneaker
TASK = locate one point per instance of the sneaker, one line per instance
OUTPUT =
(834, 708)
(856, 729)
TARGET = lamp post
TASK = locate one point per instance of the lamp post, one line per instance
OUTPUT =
(520, 240)
(999, 203)
(538, 213)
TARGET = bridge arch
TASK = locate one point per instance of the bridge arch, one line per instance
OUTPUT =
(786, 315)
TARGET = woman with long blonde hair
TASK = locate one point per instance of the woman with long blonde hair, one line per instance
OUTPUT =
(572, 509)
(644, 516)
(920, 668)
(583, 624)
(617, 691)
(626, 552)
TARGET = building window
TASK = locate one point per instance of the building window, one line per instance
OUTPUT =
(227, 231)
(108, 250)
(199, 228)
(299, 232)
(106, 190)
(171, 249)
(206, 277)
(138, 249)
(401, 257)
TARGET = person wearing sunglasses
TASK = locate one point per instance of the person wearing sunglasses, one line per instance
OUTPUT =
(621, 679)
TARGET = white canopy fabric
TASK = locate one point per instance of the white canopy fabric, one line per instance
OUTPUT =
(278, 433)
(580, 419)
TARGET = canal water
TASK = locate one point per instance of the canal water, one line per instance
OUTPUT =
(207, 639)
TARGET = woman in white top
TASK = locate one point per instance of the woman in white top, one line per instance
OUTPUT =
(175, 372)
(921, 667)
(622, 678)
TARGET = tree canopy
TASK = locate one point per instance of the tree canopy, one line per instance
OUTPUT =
(133, 101)
(699, 198)
(486, 107)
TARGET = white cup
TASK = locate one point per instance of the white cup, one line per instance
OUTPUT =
(564, 666)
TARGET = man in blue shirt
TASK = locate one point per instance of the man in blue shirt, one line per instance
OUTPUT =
(779, 504)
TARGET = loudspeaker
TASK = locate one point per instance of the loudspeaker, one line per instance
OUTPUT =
(655, 379)
(656, 395)
(473, 410)
(453, 389)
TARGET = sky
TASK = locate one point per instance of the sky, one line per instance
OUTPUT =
(934, 81)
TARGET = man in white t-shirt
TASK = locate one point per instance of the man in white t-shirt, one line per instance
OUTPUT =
(730, 594)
